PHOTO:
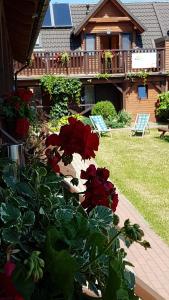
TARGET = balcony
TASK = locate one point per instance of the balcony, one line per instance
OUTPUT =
(88, 64)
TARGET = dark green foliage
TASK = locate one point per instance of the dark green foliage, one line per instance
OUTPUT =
(122, 119)
(162, 110)
(62, 91)
(105, 109)
(39, 216)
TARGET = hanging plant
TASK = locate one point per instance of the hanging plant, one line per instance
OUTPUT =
(65, 58)
(142, 75)
(107, 55)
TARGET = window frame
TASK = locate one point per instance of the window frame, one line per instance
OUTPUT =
(94, 40)
(124, 34)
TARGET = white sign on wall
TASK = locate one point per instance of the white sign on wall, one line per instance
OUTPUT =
(144, 60)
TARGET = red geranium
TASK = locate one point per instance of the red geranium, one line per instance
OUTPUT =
(53, 162)
(99, 191)
(75, 138)
(24, 94)
(7, 288)
(22, 127)
(52, 140)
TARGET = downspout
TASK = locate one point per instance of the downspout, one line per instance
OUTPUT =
(17, 72)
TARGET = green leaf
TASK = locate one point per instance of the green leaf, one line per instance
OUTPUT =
(42, 171)
(61, 266)
(44, 191)
(24, 287)
(20, 202)
(10, 181)
(28, 218)
(10, 235)
(9, 213)
(122, 294)
(114, 280)
(25, 189)
(102, 216)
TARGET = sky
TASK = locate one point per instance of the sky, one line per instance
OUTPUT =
(95, 1)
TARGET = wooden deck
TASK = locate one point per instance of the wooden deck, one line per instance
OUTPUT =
(83, 63)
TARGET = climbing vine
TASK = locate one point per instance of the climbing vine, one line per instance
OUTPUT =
(62, 91)
(142, 75)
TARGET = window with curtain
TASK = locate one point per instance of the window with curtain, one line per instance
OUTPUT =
(126, 41)
(90, 42)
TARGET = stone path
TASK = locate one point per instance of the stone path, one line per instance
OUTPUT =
(151, 266)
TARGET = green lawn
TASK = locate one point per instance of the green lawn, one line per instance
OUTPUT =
(140, 169)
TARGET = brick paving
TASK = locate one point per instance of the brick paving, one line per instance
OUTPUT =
(152, 265)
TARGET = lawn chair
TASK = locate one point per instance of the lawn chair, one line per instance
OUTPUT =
(141, 124)
(99, 125)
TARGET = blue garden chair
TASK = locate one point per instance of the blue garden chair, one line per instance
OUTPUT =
(141, 124)
(99, 125)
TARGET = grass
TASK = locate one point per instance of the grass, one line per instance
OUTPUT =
(139, 167)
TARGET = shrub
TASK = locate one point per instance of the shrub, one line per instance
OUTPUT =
(162, 110)
(125, 118)
(105, 109)
(121, 120)
(86, 121)
(55, 125)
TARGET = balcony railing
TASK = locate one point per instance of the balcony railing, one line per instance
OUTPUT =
(85, 63)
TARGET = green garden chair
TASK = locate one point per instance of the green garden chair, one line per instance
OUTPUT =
(141, 124)
(99, 125)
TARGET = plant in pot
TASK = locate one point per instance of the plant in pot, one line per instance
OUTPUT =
(52, 245)
(107, 56)
(18, 114)
(65, 58)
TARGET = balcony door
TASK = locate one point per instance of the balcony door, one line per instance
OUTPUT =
(109, 42)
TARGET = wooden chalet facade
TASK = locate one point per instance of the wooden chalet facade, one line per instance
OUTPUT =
(107, 38)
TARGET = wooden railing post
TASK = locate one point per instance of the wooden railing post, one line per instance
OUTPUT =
(47, 61)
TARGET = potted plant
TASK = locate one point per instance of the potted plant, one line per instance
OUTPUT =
(18, 114)
(65, 58)
(107, 55)
(52, 245)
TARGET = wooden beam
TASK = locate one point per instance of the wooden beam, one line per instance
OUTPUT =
(109, 19)
(119, 88)
(159, 88)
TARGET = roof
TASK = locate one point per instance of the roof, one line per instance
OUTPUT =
(154, 16)
(97, 8)
(23, 21)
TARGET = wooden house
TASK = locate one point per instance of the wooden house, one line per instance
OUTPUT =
(120, 52)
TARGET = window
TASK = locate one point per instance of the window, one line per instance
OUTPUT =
(90, 42)
(142, 92)
(126, 41)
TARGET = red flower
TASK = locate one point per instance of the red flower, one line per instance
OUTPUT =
(53, 140)
(53, 162)
(75, 138)
(22, 127)
(24, 94)
(99, 191)
(78, 138)
(89, 173)
(7, 288)
(9, 267)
